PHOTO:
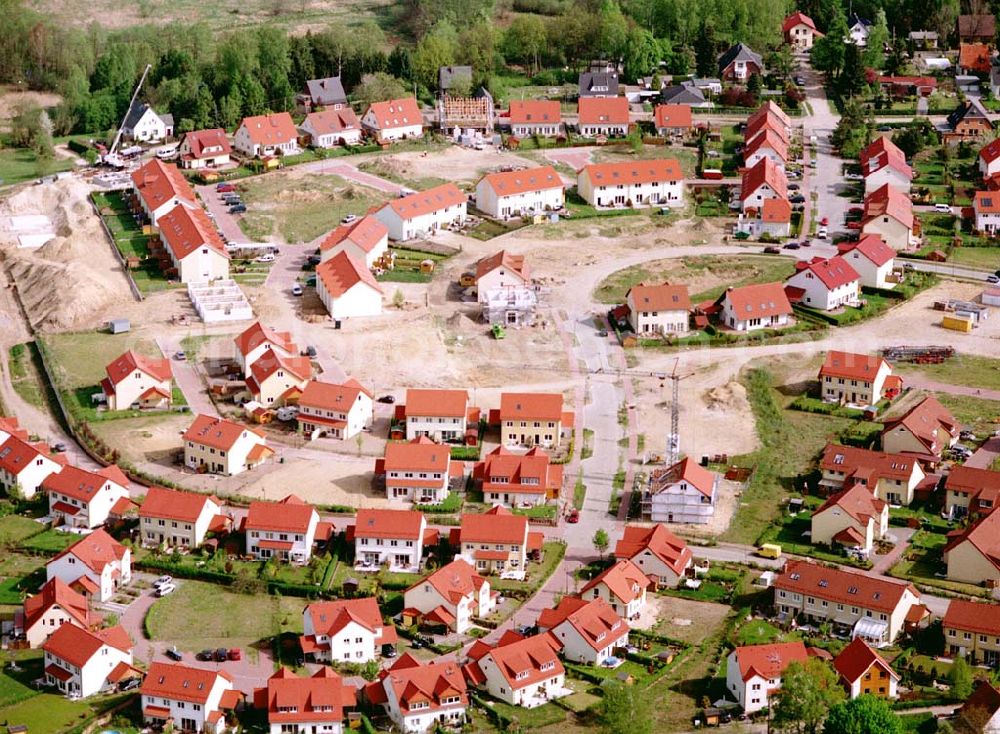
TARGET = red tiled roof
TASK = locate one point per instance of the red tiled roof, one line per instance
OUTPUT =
(290, 515)
(171, 504)
(984, 535)
(513, 263)
(16, 455)
(258, 334)
(972, 616)
(603, 111)
(872, 246)
(980, 484)
(757, 301)
(853, 460)
(524, 406)
(659, 541)
(81, 484)
(776, 211)
(365, 233)
(290, 699)
(685, 470)
(342, 272)
(56, 592)
(846, 587)
(76, 645)
(797, 18)
(96, 550)
(508, 183)
(855, 660)
(624, 579)
(662, 297)
(975, 57)
(179, 682)
(271, 361)
(157, 182)
(769, 661)
(770, 139)
(330, 617)
(987, 202)
(10, 425)
(672, 116)
(927, 421)
(520, 660)
(200, 140)
(129, 362)
(529, 473)
(215, 432)
(332, 121)
(455, 581)
(395, 113)
(632, 172)
(418, 455)
(851, 366)
(763, 123)
(769, 108)
(985, 697)
(532, 111)
(890, 202)
(832, 272)
(274, 129)
(443, 403)
(882, 152)
(425, 202)
(330, 396)
(430, 683)
(858, 502)
(991, 151)
(185, 230)
(594, 620)
(765, 171)
(494, 526)
(399, 524)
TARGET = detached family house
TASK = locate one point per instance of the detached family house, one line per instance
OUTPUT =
(417, 471)
(501, 273)
(989, 159)
(277, 380)
(83, 499)
(883, 163)
(520, 193)
(315, 703)
(634, 184)
(858, 379)
(598, 82)
(662, 556)
(853, 518)
(986, 207)
(53, 606)
(157, 188)
(441, 415)
(533, 419)
(888, 212)
(659, 310)
(926, 430)
(683, 493)
(588, 631)
(603, 116)
(346, 287)
(220, 446)
(263, 136)
(873, 260)
(319, 93)
(863, 672)
(518, 480)
(622, 585)
(193, 699)
(892, 478)
(332, 127)
(197, 251)
(395, 119)
(136, 380)
(973, 556)
(24, 466)
(740, 63)
(418, 697)
(345, 630)
(205, 149)
(143, 124)
(450, 597)
(393, 538)
(424, 212)
(969, 121)
(753, 672)
(535, 117)
(178, 519)
(800, 31)
(672, 120)
(773, 218)
(366, 240)
(824, 284)
(339, 411)
(284, 530)
(970, 491)
(520, 671)
(97, 565)
(81, 663)
(753, 307)
(256, 341)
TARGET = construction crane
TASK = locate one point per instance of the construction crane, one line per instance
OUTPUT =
(674, 437)
(111, 157)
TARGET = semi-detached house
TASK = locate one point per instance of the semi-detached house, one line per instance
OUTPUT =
(417, 471)
(972, 630)
(535, 117)
(753, 672)
(339, 411)
(892, 478)
(986, 206)
(256, 340)
(420, 696)
(888, 212)
(423, 212)
(659, 310)
(81, 663)
(315, 704)
(97, 566)
(520, 193)
(762, 181)
(195, 247)
(989, 159)
(970, 491)
(194, 699)
(753, 307)
(346, 287)
(767, 144)
(178, 519)
(220, 446)
(83, 499)
(136, 380)
(855, 603)
(926, 430)
(873, 260)
(24, 466)
(684, 492)
(622, 585)
(588, 631)
(633, 184)
(394, 119)
(518, 480)
(284, 530)
(825, 284)
(520, 671)
(366, 240)
(345, 630)
(441, 415)
(973, 556)
(277, 380)
(662, 556)
(157, 188)
(882, 162)
(262, 136)
(450, 597)
(533, 419)
(496, 541)
(858, 379)
(608, 116)
(388, 537)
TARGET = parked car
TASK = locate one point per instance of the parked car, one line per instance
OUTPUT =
(799, 81)
(162, 591)
(130, 684)
(296, 290)
(822, 233)
(174, 654)
(798, 199)
(771, 250)
(205, 655)
(387, 399)
(221, 655)
(854, 177)
(349, 219)
(238, 209)
(388, 651)
(163, 580)
(59, 447)
(794, 187)
(309, 351)
(792, 246)
(825, 221)
(314, 259)
(993, 278)
(265, 258)
(224, 187)
(573, 517)
(235, 653)
(943, 208)
(180, 356)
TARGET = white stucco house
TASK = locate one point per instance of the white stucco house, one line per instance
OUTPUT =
(824, 283)
(519, 193)
(194, 699)
(347, 288)
(633, 184)
(97, 565)
(81, 663)
(872, 259)
(424, 212)
(753, 672)
(392, 538)
(143, 124)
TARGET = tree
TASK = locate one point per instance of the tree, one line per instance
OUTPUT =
(436, 49)
(398, 299)
(705, 50)
(525, 40)
(613, 30)
(960, 679)
(782, 61)
(862, 715)
(878, 39)
(828, 51)
(641, 54)
(624, 709)
(807, 693)
(601, 541)
(914, 137)
(378, 88)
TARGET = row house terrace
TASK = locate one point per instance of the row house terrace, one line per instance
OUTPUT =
(973, 554)
(892, 478)
(633, 184)
(347, 287)
(603, 116)
(520, 193)
(856, 379)
(853, 518)
(659, 309)
(196, 250)
(393, 119)
(256, 341)
(535, 117)
(177, 519)
(392, 538)
(925, 431)
(276, 380)
(971, 491)
(424, 212)
(533, 419)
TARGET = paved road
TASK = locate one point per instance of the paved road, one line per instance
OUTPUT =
(351, 172)
(826, 178)
(954, 271)
(186, 377)
(226, 222)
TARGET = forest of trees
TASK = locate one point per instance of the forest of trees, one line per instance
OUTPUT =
(204, 78)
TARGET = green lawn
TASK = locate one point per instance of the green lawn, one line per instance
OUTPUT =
(49, 542)
(983, 258)
(978, 414)
(712, 273)
(757, 632)
(962, 369)
(23, 376)
(200, 615)
(18, 165)
(14, 529)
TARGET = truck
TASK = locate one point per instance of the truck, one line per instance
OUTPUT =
(769, 550)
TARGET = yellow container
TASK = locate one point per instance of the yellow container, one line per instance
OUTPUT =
(957, 323)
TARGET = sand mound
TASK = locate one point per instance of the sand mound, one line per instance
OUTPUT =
(725, 398)
(73, 278)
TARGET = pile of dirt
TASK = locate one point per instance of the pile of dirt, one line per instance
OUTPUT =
(727, 398)
(73, 279)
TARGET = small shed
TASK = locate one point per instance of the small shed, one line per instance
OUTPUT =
(119, 326)
(990, 297)
(350, 586)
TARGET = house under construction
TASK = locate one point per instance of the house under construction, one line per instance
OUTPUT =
(510, 305)
(458, 115)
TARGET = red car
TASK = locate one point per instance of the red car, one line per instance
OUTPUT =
(825, 221)
(235, 654)
(573, 517)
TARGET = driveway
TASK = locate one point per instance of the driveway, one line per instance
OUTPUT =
(226, 222)
(186, 377)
